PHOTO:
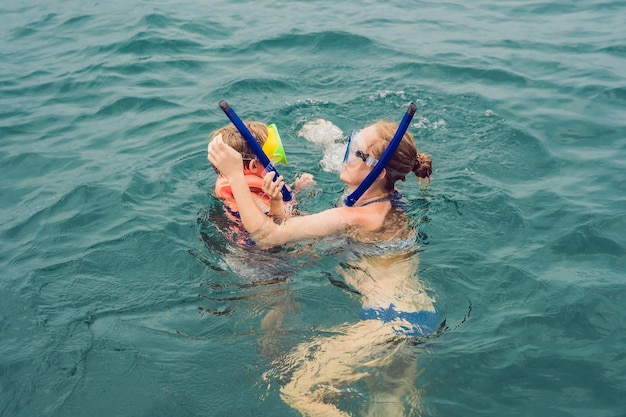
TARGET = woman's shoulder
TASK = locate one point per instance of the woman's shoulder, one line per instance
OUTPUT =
(366, 217)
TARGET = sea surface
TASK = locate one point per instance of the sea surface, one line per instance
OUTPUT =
(120, 292)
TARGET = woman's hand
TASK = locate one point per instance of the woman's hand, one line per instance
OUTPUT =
(273, 188)
(224, 158)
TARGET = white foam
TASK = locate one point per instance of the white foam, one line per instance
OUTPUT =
(332, 161)
(321, 132)
(422, 122)
(331, 137)
(439, 124)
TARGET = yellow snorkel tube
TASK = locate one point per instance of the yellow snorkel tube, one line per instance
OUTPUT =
(273, 146)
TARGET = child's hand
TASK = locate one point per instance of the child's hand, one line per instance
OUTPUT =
(304, 181)
(273, 188)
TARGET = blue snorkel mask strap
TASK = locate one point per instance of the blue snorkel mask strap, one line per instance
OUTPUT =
(253, 144)
(384, 160)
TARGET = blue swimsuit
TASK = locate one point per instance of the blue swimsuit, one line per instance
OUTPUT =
(422, 322)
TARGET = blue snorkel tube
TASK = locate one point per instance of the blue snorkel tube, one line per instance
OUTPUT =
(384, 160)
(253, 144)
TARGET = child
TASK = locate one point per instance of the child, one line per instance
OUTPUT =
(266, 197)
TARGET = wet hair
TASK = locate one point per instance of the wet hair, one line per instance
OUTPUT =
(233, 138)
(406, 158)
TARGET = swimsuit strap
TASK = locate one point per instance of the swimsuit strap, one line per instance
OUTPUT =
(395, 198)
(398, 201)
(378, 200)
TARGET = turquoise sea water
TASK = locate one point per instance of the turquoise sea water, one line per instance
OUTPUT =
(120, 297)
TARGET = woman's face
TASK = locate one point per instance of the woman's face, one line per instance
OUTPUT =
(355, 169)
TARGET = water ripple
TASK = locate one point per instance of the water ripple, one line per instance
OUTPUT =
(122, 292)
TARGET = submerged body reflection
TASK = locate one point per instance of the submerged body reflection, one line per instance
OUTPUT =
(369, 354)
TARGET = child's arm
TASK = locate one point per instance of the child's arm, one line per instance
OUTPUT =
(273, 190)
(278, 210)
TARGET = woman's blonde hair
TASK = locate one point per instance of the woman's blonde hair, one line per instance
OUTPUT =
(405, 159)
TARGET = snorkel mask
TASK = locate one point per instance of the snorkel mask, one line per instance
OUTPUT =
(274, 148)
(355, 150)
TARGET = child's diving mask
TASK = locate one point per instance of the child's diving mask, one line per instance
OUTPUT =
(273, 146)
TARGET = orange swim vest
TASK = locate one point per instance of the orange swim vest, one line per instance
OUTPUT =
(237, 233)
(225, 193)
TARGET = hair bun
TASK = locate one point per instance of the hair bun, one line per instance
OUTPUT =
(423, 166)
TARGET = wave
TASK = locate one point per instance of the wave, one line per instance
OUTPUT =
(146, 44)
(592, 237)
(618, 50)
(136, 105)
(329, 42)
(32, 28)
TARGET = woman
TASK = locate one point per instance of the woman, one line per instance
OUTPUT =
(383, 273)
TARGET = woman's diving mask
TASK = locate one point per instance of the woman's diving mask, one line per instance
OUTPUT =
(355, 150)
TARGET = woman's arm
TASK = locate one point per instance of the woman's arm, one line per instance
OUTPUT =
(293, 229)
(261, 228)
